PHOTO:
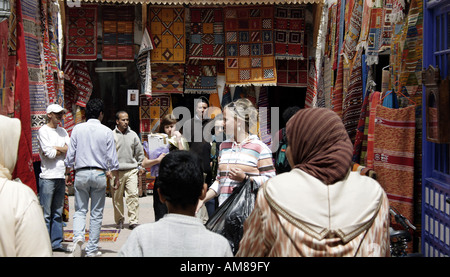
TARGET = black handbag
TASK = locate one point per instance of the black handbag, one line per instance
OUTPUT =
(228, 219)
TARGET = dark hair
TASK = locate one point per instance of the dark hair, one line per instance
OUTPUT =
(289, 112)
(118, 114)
(180, 178)
(168, 119)
(93, 108)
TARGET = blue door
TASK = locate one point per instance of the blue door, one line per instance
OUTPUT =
(435, 156)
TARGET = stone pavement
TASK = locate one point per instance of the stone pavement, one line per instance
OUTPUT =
(111, 249)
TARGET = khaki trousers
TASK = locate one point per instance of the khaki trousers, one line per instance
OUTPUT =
(129, 185)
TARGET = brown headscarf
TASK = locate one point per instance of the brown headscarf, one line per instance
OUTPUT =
(319, 144)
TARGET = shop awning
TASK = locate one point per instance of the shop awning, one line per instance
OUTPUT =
(205, 2)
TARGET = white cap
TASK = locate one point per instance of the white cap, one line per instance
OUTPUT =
(55, 108)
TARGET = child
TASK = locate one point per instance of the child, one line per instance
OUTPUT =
(179, 233)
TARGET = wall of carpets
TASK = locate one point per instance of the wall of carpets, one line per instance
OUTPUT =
(380, 104)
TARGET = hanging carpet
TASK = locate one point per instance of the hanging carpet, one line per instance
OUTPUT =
(207, 34)
(311, 91)
(167, 30)
(292, 73)
(7, 70)
(167, 78)
(375, 32)
(118, 33)
(151, 110)
(394, 155)
(249, 49)
(143, 62)
(289, 33)
(201, 76)
(81, 38)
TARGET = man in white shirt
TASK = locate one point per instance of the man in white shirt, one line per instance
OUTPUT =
(53, 143)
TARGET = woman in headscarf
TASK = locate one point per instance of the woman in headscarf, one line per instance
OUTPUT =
(23, 232)
(320, 208)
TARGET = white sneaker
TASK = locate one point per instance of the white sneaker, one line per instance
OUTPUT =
(76, 248)
(95, 254)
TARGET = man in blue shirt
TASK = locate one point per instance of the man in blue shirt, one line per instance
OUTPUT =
(92, 153)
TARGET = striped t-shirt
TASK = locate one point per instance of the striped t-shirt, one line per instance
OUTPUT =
(252, 156)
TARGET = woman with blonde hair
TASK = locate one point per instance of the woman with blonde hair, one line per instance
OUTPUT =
(242, 155)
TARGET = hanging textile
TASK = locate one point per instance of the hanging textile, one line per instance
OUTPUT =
(36, 67)
(353, 98)
(398, 7)
(360, 136)
(337, 25)
(375, 100)
(311, 91)
(143, 63)
(24, 168)
(201, 76)
(206, 34)
(167, 29)
(151, 110)
(249, 49)
(167, 78)
(81, 36)
(290, 32)
(226, 97)
(394, 156)
(83, 83)
(7, 71)
(386, 33)
(353, 31)
(118, 33)
(50, 57)
(292, 73)
(337, 91)
(375, 32)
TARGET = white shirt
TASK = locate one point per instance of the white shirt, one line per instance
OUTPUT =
(52, 166)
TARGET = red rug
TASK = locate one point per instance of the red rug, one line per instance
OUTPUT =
(81, 33)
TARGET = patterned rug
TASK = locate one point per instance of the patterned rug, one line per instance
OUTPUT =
(118, 33)
(206, 34)
(289, 32)
(143, 62)
(375, 33)
(292, 73)
(338, 90)
(167, 78)
(168, 34)
(249, 49)
(354, 29)
(151, 110)
(394, 156)
(81, 33)
(201, 76)
(7, 72)
(311, 90)
(105, 235)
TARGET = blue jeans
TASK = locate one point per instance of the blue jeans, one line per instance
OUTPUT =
(89, 184)
(51, 197)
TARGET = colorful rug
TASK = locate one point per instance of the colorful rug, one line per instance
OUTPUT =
(83, 83)
(290, 32)
(375, 33)
(167, 78)
(206, 34)
(167, 29)
(386, 33)
(118, 33)
(201, 76)
(375, 100)
(338, 90)
(311, 90)
(353, 31)
(359, 137)
(292, 73)
(353, 98)
(249, 49)
(81, 38)
(143, 62)
(7, 72)
(105, 235)
(394, 156)
(37, 94)
(24, 169)
(151, 110)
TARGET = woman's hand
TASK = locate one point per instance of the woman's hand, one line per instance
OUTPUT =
(237, 174)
